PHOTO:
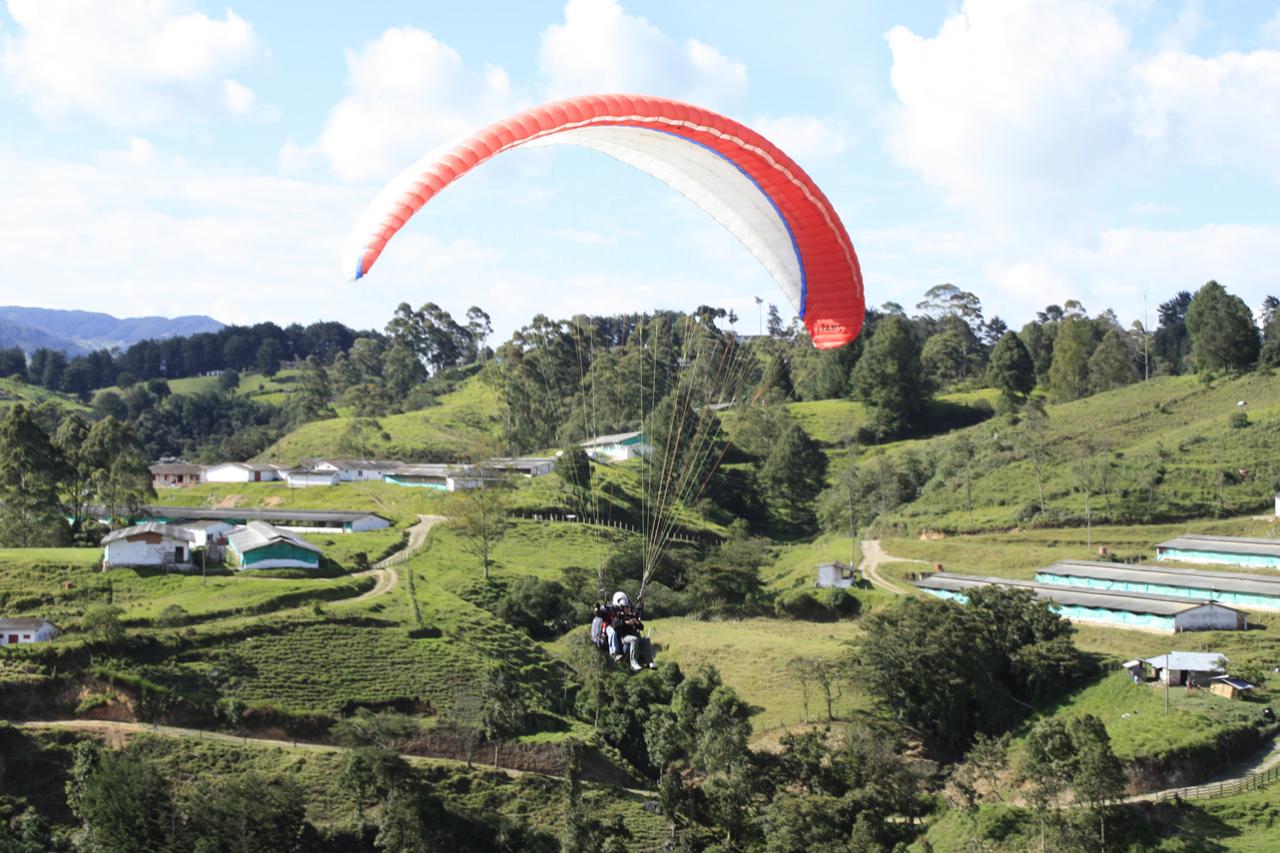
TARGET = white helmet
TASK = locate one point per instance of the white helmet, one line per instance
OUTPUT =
(620, 600)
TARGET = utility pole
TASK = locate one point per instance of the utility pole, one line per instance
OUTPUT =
(1166, 682)
(760, 311)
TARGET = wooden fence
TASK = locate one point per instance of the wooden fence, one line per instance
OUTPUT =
(564, 518)
(1252, 782)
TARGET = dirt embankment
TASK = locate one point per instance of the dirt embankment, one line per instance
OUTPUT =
(1197, 765)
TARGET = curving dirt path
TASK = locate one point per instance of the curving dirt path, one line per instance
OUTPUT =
(384, 570)
(874, 556)
(115, 731)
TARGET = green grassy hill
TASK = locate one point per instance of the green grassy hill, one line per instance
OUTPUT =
(1161, 450)
(266, 389)
(465, 418)
(33, 395)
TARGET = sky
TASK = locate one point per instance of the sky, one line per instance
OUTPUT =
(172, 157)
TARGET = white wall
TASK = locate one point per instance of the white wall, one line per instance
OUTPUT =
(1210, 617)
(43, 634)
(302, 481)
(123, 552)
(370, 522)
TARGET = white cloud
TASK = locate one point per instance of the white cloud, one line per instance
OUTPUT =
(1212, 110)
(600, 48)
(1020, 111)
(409, 92)
(1010, 104)
(804, 138)
(126, 62)
(238, 97)
(140, 232)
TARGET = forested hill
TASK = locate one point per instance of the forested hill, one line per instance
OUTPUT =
(77, 332)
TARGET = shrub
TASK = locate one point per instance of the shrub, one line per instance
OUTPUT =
(803, 604)
(173, 616)
(542, 608)
(842, 602)
(1238, 420)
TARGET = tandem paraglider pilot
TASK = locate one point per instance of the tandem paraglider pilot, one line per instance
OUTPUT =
(618, 628)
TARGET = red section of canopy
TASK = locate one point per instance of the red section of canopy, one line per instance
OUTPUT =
(833, 307)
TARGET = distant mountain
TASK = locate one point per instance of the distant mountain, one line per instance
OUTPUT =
(76, 332)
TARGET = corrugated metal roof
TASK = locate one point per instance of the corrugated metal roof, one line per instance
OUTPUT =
(1188, 578)
(176, 468)
(259, 534)
(16, 624)
(169, 531)
(1224, 544)
(235, 513)
(1194, 661)
(1128, 602)
(612, 438)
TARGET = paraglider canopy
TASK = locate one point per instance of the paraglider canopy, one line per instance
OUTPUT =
(733, 173)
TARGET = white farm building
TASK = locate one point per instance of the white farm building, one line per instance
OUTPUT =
(617, 447)
(241, 472)
(14, 632)
(258, 545)
(150, 544)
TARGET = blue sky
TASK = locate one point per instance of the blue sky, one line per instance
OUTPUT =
(159, 156)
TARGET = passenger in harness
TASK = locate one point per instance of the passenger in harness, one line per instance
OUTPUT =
(617, 627)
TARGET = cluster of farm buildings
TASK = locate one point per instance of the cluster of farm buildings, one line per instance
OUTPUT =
(443, 476)
(1155, 598)
(1151, 597)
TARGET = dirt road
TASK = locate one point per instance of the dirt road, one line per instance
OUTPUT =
(874, 556)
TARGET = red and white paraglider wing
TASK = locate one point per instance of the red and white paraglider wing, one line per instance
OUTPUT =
(737, 176)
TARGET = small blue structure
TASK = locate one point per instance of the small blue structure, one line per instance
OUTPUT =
(1225, 550)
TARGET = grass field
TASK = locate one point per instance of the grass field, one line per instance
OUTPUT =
(266, 389)
(34, 583)
(33, 395)
(1173, 427)
(465, 420)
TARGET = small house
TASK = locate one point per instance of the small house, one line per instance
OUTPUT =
(14, 632)
(836, 575)
(176, 475)
(259, 545)
(304, 476)
(210, 534)
(152, 543)
(356, 470)
(1229, 686)
(241, 472)
(1184, 668)
(617, 447)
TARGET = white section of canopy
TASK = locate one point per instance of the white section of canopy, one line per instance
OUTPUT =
(708, 180)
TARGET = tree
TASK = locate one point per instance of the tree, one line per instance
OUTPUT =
(1034, 438)
(1223, 336)
(229, 381)
(1072, 755)
(479, 328)
(480, 517)
(505, 706)
(30, 471)
(573, 466)
(76, 486)
(888, 377)
(121, 476)
(1113, 363)
(269, 355)
(1171, 343)
(962, 453)
(103, 622)
(1016, 651)
(125, 804)
(250, 812)
(1011, 370)
(795, 472)
(1072, 348)
(311, 401)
